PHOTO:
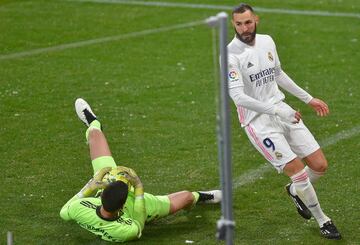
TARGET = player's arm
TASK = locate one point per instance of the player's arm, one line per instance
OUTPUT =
(64, 212)
(241, 99)
(139, 206)
(139, 214)
(236, 92)
(91, 187)
(285, 82)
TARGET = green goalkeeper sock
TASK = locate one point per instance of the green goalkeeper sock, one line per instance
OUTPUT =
(93, 125)
(196, 197)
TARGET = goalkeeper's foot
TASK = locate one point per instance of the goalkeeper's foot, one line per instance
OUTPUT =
(300, 205)
(213, 196)
(84, 112)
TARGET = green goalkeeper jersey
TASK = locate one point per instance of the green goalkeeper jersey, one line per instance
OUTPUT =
(86, 212)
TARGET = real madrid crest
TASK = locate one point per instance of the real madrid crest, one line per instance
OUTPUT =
(278, 155)
(270, 56)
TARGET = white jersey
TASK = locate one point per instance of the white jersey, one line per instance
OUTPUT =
(254, 68)
(254, 76)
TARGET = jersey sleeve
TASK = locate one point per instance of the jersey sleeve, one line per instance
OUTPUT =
(234, 74)
(65, 210)
(290, 86)
(241, 99)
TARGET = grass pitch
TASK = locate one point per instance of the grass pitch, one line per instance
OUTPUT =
(155, 95)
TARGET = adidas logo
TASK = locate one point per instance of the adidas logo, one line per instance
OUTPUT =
(313, 205)
(250, 65)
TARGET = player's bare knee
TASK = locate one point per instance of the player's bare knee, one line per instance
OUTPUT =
(321, 166)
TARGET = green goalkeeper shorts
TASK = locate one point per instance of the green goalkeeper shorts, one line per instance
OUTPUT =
(102, 162)
(156, 206)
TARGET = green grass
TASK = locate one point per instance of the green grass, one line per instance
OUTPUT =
(155, 95)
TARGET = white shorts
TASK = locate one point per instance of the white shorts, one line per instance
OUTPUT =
(278, 141)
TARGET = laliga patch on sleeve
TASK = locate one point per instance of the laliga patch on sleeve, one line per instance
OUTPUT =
(233, 76)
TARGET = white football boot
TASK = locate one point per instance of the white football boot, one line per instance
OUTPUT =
(213, 196)
(84, 112)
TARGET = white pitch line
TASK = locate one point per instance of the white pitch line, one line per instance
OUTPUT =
(253, 175)
(98, 40)
(223, 7)
(162, 29)
(342, 135)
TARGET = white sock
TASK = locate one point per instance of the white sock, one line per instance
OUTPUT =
(307, 194)
(313, 175)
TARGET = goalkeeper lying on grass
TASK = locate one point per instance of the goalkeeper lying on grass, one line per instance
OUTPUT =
(113, 204)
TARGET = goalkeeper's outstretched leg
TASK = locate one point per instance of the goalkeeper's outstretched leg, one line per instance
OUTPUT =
(118, 210)
(186, 199)
(100, 153)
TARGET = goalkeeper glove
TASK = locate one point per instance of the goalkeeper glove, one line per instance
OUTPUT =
(134, 180)
(94, 184)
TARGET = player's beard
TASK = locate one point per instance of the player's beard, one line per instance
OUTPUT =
(249, 38)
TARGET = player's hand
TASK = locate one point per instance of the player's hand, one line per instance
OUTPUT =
(320, 107)
(298, 116)
(131, 176)
(94, 184)
(288, 114)
(134, 180)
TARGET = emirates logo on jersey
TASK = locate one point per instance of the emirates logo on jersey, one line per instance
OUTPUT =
(263, 77)
(271, 58)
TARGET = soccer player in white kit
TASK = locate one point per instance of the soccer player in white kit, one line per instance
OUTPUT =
(273, 127)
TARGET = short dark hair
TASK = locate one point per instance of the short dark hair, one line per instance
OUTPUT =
(114, 196)
(241, 9)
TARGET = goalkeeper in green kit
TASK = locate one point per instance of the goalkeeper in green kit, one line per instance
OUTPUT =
(118, 210)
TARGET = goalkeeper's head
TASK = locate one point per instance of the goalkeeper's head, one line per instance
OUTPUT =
(114, 196)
